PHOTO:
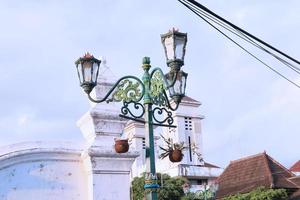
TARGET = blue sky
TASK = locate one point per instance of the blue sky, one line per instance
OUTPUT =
(248, 108)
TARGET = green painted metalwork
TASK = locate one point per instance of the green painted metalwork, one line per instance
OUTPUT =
(152, 89)
(157, 87)
(127, 91)
(152, 194)
(139, 108)
(124, 89)
(162, 111)
(146, 80)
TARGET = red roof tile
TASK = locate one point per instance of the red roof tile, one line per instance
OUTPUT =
(296, 180)
(248, 173)
(296, 167)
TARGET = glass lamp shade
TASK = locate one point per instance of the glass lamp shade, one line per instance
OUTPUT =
(177, 89)
(174, 43)
(87, 69)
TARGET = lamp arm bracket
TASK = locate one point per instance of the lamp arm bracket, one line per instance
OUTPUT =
(169, 104)
(161, 74)
(158, 84)
(173, 81)
(166, 83)
(124, 90)
(143, 122)
(162, 111)
(158, 87)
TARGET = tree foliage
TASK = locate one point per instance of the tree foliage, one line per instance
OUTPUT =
(171, 187)
(137, 188)
(261, 194)
(198, 196)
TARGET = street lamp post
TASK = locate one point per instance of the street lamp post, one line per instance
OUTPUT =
(144, 100)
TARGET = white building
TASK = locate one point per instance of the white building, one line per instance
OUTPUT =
(93, 170)
(187, 119)
(65, 171)
(188, 122)
(188, 130)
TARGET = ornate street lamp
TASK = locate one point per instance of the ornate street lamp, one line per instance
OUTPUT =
(174, 43)
(87, 69)
(147, 95)
(177, 89)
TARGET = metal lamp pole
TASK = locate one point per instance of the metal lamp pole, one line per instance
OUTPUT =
(150, 163)
(147, 96)
(205, 192)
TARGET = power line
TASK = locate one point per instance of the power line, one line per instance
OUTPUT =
(209, 15)
(239, 29)
(246, 38)
(248, 51)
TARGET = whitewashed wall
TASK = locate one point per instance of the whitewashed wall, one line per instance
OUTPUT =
(36, 170)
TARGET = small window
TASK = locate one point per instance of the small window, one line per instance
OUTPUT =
(202, 182)
(188, 123)
(144, 143)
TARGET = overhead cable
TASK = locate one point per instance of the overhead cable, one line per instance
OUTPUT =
(207, 16)
(245, 37)
(200, 6)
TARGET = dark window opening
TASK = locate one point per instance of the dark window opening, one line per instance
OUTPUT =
(202, 182)
(188, 123)
(144, 143)
(190, 149)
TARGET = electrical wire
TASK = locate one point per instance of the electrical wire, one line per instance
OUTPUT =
(200, 6)
(246, 38)
(272, 69)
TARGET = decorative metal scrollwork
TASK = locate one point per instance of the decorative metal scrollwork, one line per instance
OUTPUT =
(138, 107)
(128, 91)
(157, 89)
(167, 117)
(127, 88)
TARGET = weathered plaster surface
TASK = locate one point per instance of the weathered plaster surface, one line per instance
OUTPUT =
(44, 171)
(111, 173)
(108, 172)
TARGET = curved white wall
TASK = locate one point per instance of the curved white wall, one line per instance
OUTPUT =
(32, 171)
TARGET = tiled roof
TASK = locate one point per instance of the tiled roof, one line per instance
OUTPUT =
(296, 167)
(295, 195)
(296, 180)
(248, 173)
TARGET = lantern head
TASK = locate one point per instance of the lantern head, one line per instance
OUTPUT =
(174, 43)
(87, 69)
